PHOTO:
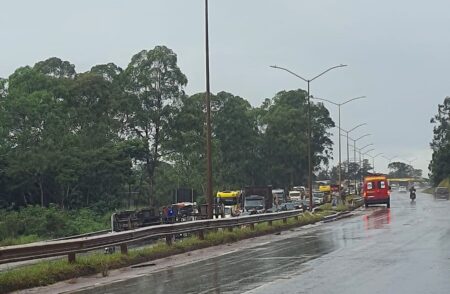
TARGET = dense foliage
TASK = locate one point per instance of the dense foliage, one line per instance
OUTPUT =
(403, 170)
(34, 222)
(439, 166)
(109, 137)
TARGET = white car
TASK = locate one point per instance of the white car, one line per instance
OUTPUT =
(402, 189)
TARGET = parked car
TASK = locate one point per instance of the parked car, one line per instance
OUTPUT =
(287, 206)
(300, 204)
(441, 193)
(318, 198)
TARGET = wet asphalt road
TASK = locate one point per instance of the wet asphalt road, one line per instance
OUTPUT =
(405, 249)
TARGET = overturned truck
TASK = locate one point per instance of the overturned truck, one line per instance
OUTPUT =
(133, 219)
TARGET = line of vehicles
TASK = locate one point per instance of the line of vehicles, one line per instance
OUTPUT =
(375, 190)
(251, 200)
(264, 199)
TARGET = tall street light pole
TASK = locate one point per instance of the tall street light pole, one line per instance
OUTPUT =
(348, 149)
(354, 155)
(209, 196)
(360, 150)
(308, 81)
(339, 110)
(389, 159)
(373, 160)
(412, 160)
(356, 140)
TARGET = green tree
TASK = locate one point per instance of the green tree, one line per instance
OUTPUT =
(285, 138)
(236, 132)
(110, 72)
(56, 68)
(401, 170)
(34, 118)
(188, 144)
(153, 86)
(62, 144)
(439, 167)
(3, 88)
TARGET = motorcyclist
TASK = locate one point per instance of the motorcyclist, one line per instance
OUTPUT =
(412, 191)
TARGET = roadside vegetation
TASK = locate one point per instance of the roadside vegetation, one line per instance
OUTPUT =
(112, 136)
(49, 272)
(83, 144)
(439, 165)
(443, 183)
(34, 223)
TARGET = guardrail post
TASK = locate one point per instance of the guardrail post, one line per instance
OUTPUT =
(124, 248)
(169, 240)
(270, 223)
(71, 257)
(201, 235)
(296, 217)
(284, 220)
(252, 226)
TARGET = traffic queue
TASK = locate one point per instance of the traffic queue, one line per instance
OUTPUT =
(248, 201)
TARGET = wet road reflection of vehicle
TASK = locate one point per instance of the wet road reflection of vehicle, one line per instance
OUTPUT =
(378, 219)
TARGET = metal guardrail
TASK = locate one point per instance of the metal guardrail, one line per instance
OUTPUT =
(83, 235)
(70, 247)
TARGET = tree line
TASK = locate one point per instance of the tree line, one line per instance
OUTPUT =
(110, 135)
(440, 145)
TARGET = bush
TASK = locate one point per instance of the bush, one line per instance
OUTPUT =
(34, 222)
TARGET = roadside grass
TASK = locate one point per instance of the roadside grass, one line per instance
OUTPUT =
(49, 272)
(327, 207)
(443, 183)
(429, 190)
(341, 208)
(34, 223)
(20, 240)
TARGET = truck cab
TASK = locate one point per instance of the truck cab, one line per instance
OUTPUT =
(258, 199)
(254, 204)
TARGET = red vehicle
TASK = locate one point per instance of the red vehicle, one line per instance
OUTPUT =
(376, 190)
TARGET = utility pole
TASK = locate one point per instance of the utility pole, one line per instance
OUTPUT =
(339, 110)
(209, 196)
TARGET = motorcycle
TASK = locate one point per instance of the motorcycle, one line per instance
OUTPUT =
(412, 195)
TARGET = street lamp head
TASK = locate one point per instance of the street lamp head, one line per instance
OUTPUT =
(370, 150)
(360, 125)
(363, 136)
(389, 158)
(366, 146)
(350, 100)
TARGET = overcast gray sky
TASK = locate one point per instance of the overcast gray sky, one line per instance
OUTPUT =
(398, 52)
